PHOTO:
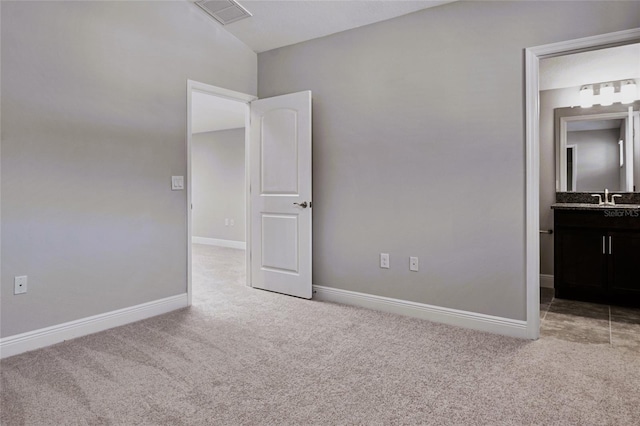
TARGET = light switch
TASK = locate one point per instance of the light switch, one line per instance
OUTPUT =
(413, 264)
(20, 284)
(177, 183)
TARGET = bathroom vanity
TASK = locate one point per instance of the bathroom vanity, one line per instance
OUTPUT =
(596, 235)
(597, 252)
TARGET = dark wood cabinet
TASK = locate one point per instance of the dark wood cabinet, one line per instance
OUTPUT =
(597, 255)
(624, 263)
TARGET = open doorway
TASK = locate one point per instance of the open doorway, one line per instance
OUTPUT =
(277, 163)
(218, 172)
(217, 188)
(548, 90)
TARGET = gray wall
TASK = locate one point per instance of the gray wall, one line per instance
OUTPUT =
(93, 128)
(419, 140)
(598, 159)
(218, 190)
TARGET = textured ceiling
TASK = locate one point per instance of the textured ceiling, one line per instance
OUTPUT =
(597, 66)
(281, 23)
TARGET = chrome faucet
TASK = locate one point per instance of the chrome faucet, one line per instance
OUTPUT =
(599, 198)
(606, 201)
(613, 199)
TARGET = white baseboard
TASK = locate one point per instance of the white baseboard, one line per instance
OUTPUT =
(220, 243)
(19, 343)
(546, 281)
(472, 320)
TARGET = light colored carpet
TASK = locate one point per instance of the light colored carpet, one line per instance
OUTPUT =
(247, 357)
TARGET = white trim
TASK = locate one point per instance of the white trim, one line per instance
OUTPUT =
(195, 86)
(220, 243)
(472, 320)
(532, 187)
(600, 41)
(220, 92)
(14, 345)
(546, 281)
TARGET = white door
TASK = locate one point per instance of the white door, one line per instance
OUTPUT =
(280, 160)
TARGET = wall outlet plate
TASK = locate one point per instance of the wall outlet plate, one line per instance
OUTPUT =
(384, 260)
(177, 183)
(20, 284)
(413, 264)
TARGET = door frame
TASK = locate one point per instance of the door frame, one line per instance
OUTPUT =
(574, 161)
(196, 86)
(532, 154)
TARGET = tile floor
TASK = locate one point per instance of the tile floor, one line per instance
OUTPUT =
(589, 322)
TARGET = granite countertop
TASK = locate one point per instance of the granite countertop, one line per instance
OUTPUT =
(592, 206)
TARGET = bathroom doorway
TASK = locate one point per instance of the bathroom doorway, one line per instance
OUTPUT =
(548, 89)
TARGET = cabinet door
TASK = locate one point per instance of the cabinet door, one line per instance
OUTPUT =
(581, 265)
(624, 262)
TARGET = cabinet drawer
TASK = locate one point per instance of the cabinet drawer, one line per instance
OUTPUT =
(604, 219)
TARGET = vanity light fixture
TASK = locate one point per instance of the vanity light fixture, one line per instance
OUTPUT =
(606, 94)
(628, 91)
(586, 96)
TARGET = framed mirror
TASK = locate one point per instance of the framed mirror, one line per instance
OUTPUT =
(598, 148)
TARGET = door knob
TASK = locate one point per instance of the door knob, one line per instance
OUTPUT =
(302, 204)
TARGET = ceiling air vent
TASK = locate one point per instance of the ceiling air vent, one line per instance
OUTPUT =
(224, 11)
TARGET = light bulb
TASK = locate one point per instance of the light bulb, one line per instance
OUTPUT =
(586, 96)
(606, 94)
(628, 91)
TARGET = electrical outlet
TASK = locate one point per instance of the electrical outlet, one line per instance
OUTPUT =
(233, 222)
(177, 183)
(413, 264)
(226, 222)
(20, 284)
(384, 260)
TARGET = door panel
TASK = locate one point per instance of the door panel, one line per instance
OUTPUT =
(581, 253)
(624, 269)
(280, 242)
(279, 152)
(281, 194)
